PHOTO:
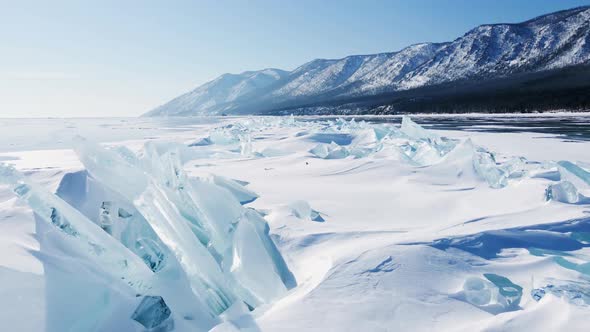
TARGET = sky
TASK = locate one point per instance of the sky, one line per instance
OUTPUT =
(123, 58)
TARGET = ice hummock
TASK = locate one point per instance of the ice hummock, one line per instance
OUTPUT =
(420, 147)
(140, 221)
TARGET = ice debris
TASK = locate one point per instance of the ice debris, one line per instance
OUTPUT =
(151, 312)
(413, 130)
(494, 294)
(340, 138)
(330, 151)
(302, 210)
(240, 132)
(494, 173)
(237, 189)
(478, 291)
(423, 147)
(511, 292)
(577, 293)
(565, 192)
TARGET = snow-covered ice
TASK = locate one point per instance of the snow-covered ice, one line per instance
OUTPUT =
(280, 224)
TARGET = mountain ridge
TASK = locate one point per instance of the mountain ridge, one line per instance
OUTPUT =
(550, 41)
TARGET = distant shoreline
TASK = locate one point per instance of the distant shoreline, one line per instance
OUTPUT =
(450, 115)
(348, 116)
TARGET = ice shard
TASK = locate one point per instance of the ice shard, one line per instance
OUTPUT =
(423, 147)
(206, 278)
(478, 291)
(81, 293)
(316, 216)
(564, 192)
(485, 165)
(105, 219)
(204, 197)
(79, 258)
(414, 131)
(497, 174)
(86, 194)
(330, 151)
(253, 267)
(240, 192)
(509, 292)
(574, 173)
(152, 312)
(185, 214)
(86, 236)
(245, 145)
(420, 153)
(140, 226)
(150, 199)
(301, 209)
(279, 265)
(494, 294)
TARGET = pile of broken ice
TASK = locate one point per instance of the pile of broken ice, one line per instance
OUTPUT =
(569, 183)
(237, 137)
(411, 143)
(420, 147)
(133, 243)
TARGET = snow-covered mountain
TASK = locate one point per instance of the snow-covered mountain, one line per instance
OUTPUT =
(547, 42)
(212, 96)
(354, 74)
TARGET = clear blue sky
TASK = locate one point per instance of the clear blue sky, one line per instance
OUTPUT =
(122, 58)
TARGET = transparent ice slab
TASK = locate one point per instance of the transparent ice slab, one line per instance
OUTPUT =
(565, 192)
(493, 293)
(201, 223)
(86, 236)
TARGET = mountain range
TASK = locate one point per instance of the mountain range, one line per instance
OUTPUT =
(489, 61)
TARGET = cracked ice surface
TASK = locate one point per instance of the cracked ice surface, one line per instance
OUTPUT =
(383, 226)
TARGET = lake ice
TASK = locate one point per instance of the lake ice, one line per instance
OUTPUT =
(290, 224)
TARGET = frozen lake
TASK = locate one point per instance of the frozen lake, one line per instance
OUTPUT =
(462, 224)
(56, 133)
